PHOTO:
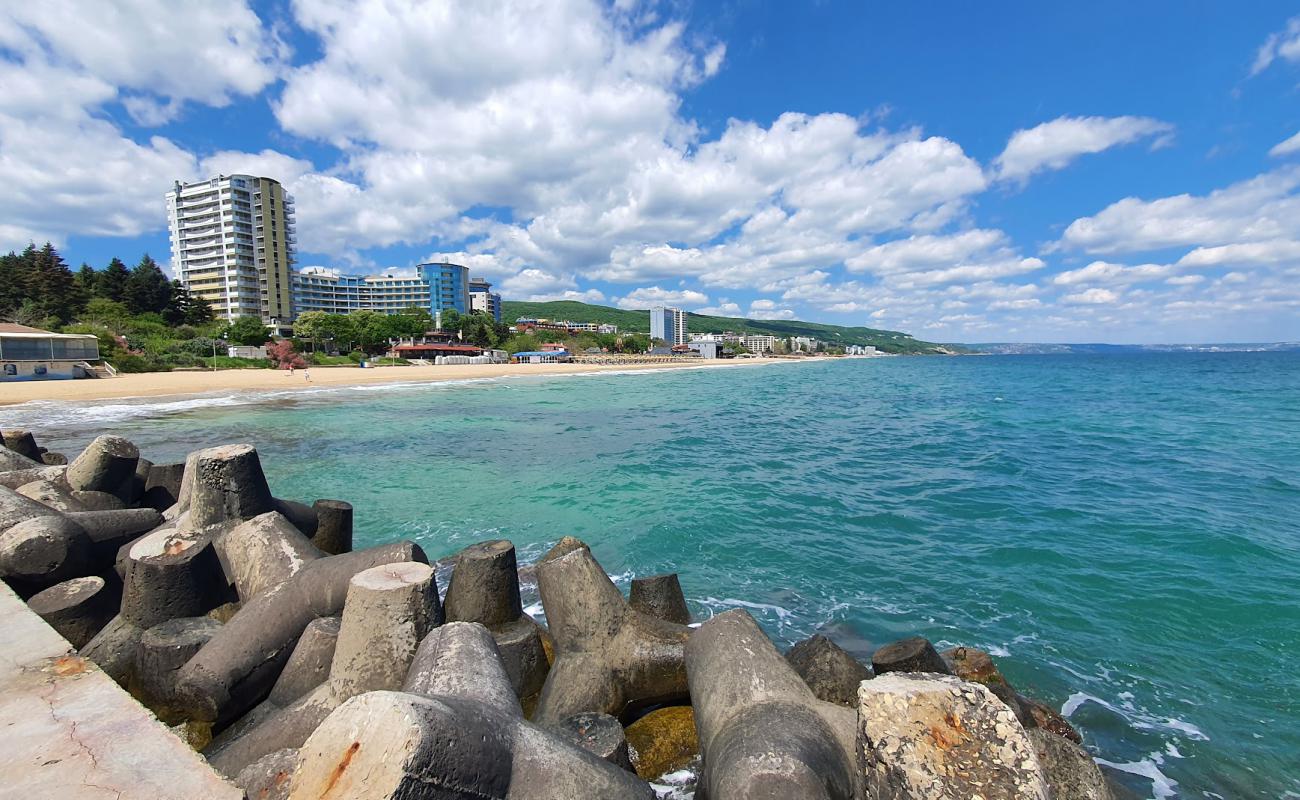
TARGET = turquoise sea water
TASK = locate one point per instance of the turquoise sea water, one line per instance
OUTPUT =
(1123, 531)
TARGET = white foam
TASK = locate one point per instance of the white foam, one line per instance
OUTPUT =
(1162, 786)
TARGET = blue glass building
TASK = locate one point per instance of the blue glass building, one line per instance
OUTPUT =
(448, 286)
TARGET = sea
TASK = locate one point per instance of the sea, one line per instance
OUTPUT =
(1121, 531)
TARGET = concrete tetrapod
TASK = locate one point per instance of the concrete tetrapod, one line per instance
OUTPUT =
(389, 610)
(47, 547)
(237, 669)
(914, 654)
(333, 526)
(21, 442)
(264, 552)
(926, 736)
(77, 609)
(309, 664)
(608, 656)
(660, 596)
(105, 465)
(484, 588)
(456, 730)
(763, 733)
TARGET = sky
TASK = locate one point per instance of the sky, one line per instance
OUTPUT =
(965, 172)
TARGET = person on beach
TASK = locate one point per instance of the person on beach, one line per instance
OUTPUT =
(306, 373)
(291, 370)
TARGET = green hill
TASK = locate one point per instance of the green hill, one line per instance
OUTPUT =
(639, 322)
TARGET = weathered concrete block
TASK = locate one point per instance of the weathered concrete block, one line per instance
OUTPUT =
(465, 737)
(762, 732)
(78, 608)
(1071, 772)
(104, 466)
(51, 494)
(14, 508)
(333, 526)
(164, 649)
(914, 654)
(237, 669)
(97, 501)
(171, 574)
(832, 674)
(265, 551)
(608, 657)
(926, 735)
(227, 484)
(660, 596)
(598, 734)
(54, 459)
(484, 588)
(270, 777)
(11, 461)
(309, 664)
(389, 610)
(162, 486)
(12, 479)
(42, 551)
(22, 443)
(113, 649)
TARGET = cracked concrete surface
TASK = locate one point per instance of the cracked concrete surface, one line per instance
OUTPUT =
(70, 731)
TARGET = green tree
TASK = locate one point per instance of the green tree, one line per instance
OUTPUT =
(339, 328)
(148, 288)
(13, 283)
(184, 308)
(199, 311)
(248, 331)
(50, 284)
(86, 280)
(105, 312)
(111, 283)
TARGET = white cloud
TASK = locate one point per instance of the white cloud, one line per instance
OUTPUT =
(1053, 145)
(1284, 44)
(1185, 280)
(649, 296)
(1277, 251)
(161, 52)
(1094, 296)
(767, 309)
(1262, 208)
(1111, 273)
(1286, 147)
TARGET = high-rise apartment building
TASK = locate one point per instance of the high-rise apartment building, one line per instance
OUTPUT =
(233, 244)
(482, 298)
(668, 324)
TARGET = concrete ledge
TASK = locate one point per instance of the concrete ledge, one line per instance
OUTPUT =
(70, 731)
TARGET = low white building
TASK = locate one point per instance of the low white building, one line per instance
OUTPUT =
(803, 344)
(759, 343)
(31, 354)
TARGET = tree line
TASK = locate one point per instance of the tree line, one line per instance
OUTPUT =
(38, 289)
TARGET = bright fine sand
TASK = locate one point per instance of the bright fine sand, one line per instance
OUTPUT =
(161, 384)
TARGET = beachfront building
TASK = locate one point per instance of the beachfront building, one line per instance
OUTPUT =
(803, 344)
(483, 300)
(541, 357)
(859, 350)
(233, 244)
(756, 343)
(432, 287)
(31, 354)
(668, 324)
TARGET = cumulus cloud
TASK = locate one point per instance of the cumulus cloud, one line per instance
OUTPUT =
(1054, 145)
(1284, 44)
(1262, 208)
(1091, 297)
(767, 309)
(1111, 273)
(649, 296)
(1286, 147)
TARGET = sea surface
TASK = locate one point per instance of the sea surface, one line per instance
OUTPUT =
(1121, 531)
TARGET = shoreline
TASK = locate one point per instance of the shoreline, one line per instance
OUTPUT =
(191, 384)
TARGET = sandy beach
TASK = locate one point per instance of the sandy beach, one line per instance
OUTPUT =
(168, 384)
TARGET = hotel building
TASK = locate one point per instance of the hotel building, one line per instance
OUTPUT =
(233, 244)
(668, 324)
(482, 298)
(759, 344)
(432, 287)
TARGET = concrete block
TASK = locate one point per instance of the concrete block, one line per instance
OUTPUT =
(660, 596)
(831, 673)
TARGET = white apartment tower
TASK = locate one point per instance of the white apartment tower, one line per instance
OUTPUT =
(668, 324)
(233, 244)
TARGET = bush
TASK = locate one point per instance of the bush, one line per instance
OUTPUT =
(356, 356)
(130, 363)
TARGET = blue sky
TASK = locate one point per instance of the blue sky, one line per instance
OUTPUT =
(1124, 172)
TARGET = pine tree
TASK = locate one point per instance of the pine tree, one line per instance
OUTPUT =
(13, 283)
(199, 311)
(111, 283)
(50, 284)
(148, 289)
(86, 280)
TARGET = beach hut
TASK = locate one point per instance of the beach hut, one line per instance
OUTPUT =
(31, 354)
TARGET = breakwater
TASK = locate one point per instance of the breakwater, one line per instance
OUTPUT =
(297, 664)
